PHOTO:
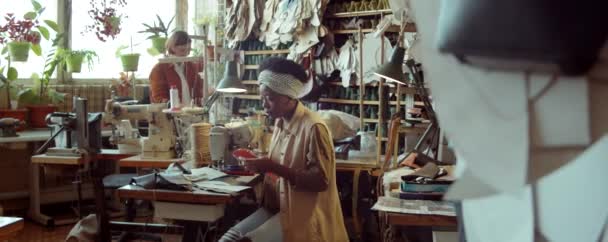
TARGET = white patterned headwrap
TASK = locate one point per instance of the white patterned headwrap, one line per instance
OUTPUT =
(284, 84)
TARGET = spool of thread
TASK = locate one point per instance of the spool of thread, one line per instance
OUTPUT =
(174, 97)
(199, 141)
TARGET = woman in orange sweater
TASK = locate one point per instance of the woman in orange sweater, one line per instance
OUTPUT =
(183, 75)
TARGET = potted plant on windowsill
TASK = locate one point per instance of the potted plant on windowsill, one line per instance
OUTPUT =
(159, 32)
(40, 99)
(130, 61)
(28, 31)
(73, 59)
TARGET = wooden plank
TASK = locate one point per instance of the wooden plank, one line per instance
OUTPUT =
(57, 160)
(349, 165)
(146, 162)
(10, 227)
(251, 67)
(421, 220)
(359, 13)
(197, 197)
(408, 28)
(347, 101)
(265, 52)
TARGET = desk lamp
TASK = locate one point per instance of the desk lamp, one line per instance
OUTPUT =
(393, 72)
(230, 83)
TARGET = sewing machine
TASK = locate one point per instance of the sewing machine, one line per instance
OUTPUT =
(73, 133)
(8, 127)
(160, 141)
(234, 135)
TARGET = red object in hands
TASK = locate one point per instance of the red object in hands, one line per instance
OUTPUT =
(244, 154)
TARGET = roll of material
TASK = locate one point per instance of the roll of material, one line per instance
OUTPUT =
(174, 98)
(199, 140)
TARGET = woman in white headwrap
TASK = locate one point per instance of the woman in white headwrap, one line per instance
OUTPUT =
(300, 199)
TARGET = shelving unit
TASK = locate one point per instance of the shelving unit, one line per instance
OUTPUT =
(371, 111)
(359, 13)
(394, 29)
(254, 52)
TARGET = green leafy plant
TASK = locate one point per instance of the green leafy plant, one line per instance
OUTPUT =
(157, 29)
(158, 34)
(40, 93)
(88, 56)
(205, 22)
(106, 19)
(27, 30)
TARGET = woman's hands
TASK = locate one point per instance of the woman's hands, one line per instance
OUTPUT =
(265, 164)
(262, 164)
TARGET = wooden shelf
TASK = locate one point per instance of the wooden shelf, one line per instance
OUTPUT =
(405, 129)
(251, 67)
(340, 101)
(408, 28)
(265, 52)
(250, 82)
(359, 13)
(346, 101)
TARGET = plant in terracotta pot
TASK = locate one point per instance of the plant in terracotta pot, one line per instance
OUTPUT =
(20, 35)
(40, 99)
(73, 59)
(159, 32)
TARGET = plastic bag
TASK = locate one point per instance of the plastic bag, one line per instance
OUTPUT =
(341, 125)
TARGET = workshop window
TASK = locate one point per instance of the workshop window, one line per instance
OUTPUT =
(34, 63)
(109, 65)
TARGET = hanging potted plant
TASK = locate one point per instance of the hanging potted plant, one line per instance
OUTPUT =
(40, 99)
(159, 32)
(73, 59)
(21, 35)
(106, 19)
(130, 61)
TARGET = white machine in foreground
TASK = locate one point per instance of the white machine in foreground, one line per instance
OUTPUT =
(160, 141)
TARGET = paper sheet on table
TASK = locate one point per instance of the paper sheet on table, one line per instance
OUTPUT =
(220, 186)
(175, 178)
(500, 218)
(424, 207)
(561, 114)
(573, 201)
(204, 173)
(484, 113)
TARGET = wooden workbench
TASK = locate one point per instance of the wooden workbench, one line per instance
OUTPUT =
(138, 161)
(10, 227)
